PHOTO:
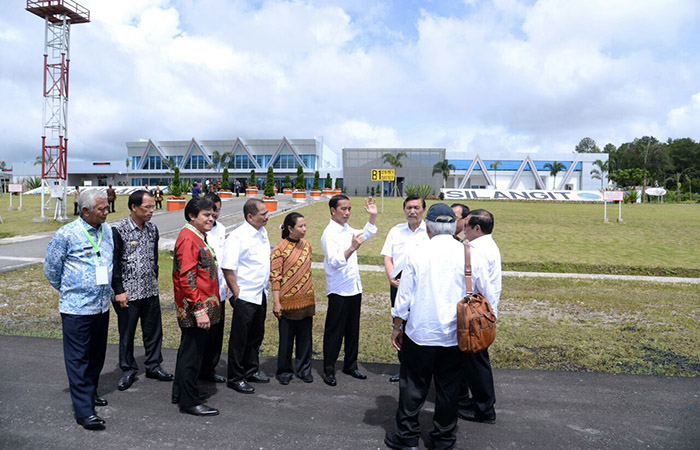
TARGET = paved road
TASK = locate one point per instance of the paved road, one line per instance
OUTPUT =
(536, 410)
(24, 251)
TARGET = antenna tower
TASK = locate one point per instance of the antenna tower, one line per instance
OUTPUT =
(58, 16)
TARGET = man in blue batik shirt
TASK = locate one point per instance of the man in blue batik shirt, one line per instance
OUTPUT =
(79, 265)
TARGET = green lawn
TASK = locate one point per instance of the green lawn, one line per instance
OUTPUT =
(18, 223)
(555, 324)
(654, 239)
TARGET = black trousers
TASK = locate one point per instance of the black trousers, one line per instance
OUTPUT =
(111, 205)
(247, 332)
(75, 208)
(148, 311)
(478, 378)
(301, 332)
(159, 204)
(392, 296)
(212, 354)
(342, 322)
(193, 343)
(84, 347)
(421, 364)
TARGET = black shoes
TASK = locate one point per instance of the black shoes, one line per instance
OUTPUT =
(355, 374)
(393, 441)
(241, 386)
(307, 378)
(284, 380)
(92, 422)
(258, 377)
(160, 375)
(126, 380)
(394, 378)
(214, 378)
(330, 380)
(200, 410)
(99, 401)
(175, 399)
(474, 416)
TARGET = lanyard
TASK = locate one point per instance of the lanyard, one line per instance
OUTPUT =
(198, 233)
(96, 246)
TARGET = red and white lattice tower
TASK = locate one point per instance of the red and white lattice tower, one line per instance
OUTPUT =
(58, 16)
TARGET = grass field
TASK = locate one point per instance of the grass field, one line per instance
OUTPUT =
(654, 239)
(558, 324)
(577, 325)
(18, 223)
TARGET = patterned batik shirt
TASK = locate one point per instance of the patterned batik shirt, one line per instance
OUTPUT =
(70, 267)
(195, 280)
(135, 259)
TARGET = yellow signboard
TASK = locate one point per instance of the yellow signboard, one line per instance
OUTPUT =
(383, 175)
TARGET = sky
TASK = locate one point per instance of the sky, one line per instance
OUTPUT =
(471, 76)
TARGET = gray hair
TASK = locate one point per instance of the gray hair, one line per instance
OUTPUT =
(437, 228)
(88, 198)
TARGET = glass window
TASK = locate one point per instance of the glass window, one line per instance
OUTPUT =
(195, 162)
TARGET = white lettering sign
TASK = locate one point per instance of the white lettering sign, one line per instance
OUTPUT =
(519, 194)
(14, 187)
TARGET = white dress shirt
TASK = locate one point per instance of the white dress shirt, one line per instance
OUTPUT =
(432, 282)
(247, 253)
(400, 241)
(342, 275)
(486, 269)
(216, 238)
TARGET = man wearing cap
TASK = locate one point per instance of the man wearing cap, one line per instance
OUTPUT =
(401, 239)
(486, 276)
(432, 282)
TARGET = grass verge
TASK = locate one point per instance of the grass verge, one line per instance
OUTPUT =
(553, 324)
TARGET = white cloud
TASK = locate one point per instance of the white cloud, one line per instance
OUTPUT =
(494, 75)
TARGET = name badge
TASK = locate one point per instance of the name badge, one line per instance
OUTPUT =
(101, 275)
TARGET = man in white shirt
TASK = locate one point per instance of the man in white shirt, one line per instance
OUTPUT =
(246, 266)
(216, 238)
(486, 278)
(432, 283)
(401, 239)
(343, 286)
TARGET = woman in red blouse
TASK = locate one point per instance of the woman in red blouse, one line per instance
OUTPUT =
(197, 303)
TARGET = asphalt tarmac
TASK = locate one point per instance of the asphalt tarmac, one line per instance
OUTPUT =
(536, 410)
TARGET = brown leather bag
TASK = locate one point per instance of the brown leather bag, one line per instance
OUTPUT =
(476, 321)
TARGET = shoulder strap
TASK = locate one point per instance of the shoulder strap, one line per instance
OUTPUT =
(468, 269)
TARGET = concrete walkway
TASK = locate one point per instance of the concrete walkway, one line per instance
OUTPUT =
(536, 410)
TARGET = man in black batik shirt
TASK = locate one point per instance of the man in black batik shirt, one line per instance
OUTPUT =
(135, 285)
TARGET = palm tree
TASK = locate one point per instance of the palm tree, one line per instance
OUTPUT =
(600, 172)
(494, 165)
(219, 160)
(394, 160)
(443, 167)
(554, 168)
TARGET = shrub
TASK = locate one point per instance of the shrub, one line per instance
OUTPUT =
(175, 187)
(422, 189)
(372, 191)
(300, 184)
(270, 183)
(287, 182)
(329, 182)
(337, 183)
(317, 181)
(631, 196)
(225, 184)
(252, 182)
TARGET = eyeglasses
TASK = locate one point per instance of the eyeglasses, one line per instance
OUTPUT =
(148, 207)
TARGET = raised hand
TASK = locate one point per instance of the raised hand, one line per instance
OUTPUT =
(371, 206)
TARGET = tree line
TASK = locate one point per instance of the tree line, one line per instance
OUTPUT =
(646, 162)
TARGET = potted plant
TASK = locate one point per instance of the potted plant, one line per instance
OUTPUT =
(287, 185)
(337, 190)
(269, 194)
(299, 194)
(176, 200)
(316, 189)
(225, 192)
(252, 188)
(328, 186)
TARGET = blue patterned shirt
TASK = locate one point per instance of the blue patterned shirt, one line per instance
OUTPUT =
(70, 267)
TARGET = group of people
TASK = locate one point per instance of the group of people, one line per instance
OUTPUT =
(91, 263)
(214, 186)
